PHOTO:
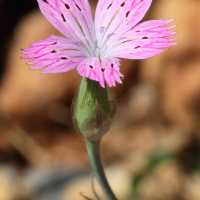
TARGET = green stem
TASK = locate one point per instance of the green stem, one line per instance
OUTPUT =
(95, 160)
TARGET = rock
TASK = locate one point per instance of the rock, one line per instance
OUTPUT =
(119, 179)
(26, 92)
(12, 186)
(176, 73)
(165, 182)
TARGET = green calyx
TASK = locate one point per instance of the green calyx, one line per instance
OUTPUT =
(92, 112)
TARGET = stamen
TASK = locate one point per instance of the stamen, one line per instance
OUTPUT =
(103, 69)
(54, 43)
(102, 29)
(109, 35)
(112, 65)
(145, 38)
(122, 38)
(63, 58)
(54, 51)
(67, 6)
(91, 66)
(122, 5)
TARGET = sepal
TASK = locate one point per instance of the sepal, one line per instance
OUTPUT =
(92, 113)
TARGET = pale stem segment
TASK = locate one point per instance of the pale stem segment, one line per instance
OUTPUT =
(95, 160)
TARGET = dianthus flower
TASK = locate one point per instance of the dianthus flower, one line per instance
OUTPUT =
(94, 47)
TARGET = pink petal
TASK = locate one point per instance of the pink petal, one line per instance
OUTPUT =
(151, 24)
(55, 53)
(143, 41)
(63, 66)
(104, 69)
(115, 17)
(140, 53)
(73, 18)
(92, 49)
(111, 72)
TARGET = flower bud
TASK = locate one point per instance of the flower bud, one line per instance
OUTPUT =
(92, 112)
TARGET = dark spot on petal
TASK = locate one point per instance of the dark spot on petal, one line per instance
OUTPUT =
(103, 69)
(63, 58)
(137, 47)
(145, 38)
(45, 1)
(112, 65)
(137, 31)
(109, 6)
(78, 7)
(54, 43)
(63, 17)
(127, 13)
(91, 66)
(67, 6)
(54, 51)
(122, 5)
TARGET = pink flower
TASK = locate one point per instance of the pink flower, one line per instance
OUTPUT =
(92, 47)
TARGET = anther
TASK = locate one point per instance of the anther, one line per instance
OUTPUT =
(67, 6)
(122, 5)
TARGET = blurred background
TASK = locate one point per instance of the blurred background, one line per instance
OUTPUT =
(152, 151)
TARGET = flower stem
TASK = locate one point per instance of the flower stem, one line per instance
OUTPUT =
(95, 160)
